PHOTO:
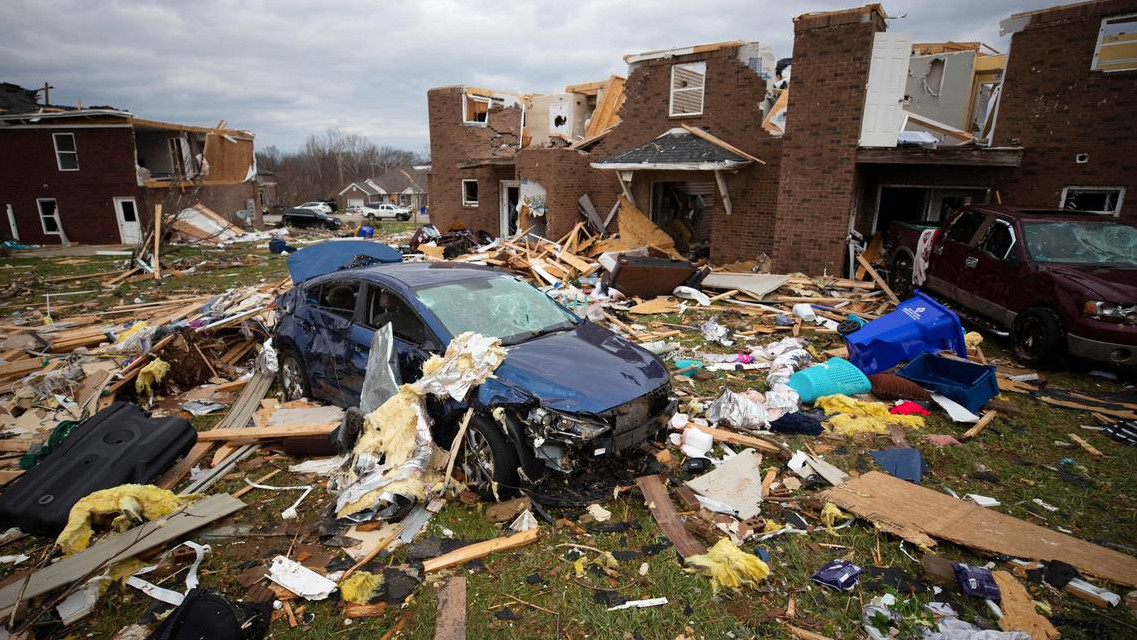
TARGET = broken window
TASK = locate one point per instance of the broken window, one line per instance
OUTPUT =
(476, 109)
(49, 216)
(1117, 44)
(999, 240)
(499, 307)
(469, 193)
(1097, 199)
(687, 83)
(385, 307)
(339, 298)
(965, 226)
(66, 154)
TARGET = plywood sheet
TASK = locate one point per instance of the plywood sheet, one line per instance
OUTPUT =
(755, 284)
(919, 515)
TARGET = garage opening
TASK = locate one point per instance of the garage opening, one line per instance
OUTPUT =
(920, 204)
(683, 210)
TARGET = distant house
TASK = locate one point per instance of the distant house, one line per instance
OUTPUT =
(405, 186)
(94, 175)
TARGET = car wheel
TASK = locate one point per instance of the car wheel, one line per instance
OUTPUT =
(488, 461)
(1038, 337)
(402, 217)
(900, 280)
(293, 377)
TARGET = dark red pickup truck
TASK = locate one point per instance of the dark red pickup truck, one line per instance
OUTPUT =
(1063, 282)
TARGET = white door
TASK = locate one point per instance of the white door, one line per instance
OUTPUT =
(888, 77)
(510, 195)
(128, 225)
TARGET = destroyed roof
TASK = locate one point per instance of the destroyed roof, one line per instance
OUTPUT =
(16, 99)
(681, 149)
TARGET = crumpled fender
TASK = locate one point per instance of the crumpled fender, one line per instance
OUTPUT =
(494, 392)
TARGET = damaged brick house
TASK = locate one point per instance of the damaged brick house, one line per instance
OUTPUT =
(94, 175)
(727, 152)
(403, 186)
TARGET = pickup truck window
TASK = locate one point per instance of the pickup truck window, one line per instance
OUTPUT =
(964, 226)
(999, 240)
(1081, 242)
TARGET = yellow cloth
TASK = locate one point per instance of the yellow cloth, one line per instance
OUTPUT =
(729, 566)
(133, 502)
(850, 416)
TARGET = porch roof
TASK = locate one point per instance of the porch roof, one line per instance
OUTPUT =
(680, 149)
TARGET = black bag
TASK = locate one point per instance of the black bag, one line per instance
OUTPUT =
(208, 616)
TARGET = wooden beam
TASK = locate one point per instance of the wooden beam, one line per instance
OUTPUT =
(157, 241)
(267, 433)
(722, 191)
(480, 550)
(971, 156)
(877, 279)
(699, 133)
(625, 180)
(179, 470)
(979, 426)
(450, 619)
(663, 510)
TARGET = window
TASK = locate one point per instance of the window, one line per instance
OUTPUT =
(1097, 199)
(965, 226)
(338, 298)
(499, 306)
(49, 216)
(999, 241)
(476, 109)
(1117, 44)
(66, 155)
(469, 193)
(687, 82)
(385, 307)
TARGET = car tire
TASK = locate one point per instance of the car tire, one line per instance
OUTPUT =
(293, 377)
(488, 460)
(402, 217)
(900, 279)
(1038, 338)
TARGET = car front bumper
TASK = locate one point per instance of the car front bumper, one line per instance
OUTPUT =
(1117, 353)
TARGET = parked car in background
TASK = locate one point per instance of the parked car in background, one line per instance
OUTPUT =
(1063, 282)
(571, 393)
(302, 217)
(386, 212)
(322, 207)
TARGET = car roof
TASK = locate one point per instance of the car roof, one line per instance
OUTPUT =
(1038, 213)
(417, 274)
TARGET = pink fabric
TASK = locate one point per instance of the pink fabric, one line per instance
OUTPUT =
(908, 408)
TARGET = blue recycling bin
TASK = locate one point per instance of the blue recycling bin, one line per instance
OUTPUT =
(918, 325)
(969, 383)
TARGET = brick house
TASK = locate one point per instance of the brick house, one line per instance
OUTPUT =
(403, 186)
(864, 128)
(94, 175)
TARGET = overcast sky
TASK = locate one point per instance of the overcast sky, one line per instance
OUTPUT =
(287, 68)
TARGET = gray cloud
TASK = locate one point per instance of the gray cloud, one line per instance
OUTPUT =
(288, 68)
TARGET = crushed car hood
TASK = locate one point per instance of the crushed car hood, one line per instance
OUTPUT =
(334, 255)
(585, 370)
(1112, 284)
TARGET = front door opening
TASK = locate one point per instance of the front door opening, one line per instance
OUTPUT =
(510, 198)
(683, 210)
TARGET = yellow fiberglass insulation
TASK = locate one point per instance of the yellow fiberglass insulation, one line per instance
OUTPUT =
(849, 416)
(729, 566)
(392, 427)
(151, 375)
(360, 587)
(132, 503)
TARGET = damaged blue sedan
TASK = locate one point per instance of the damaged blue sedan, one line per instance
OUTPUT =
(572, 393)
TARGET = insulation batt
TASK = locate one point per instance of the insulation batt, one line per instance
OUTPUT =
(729, 566)
(360, 587)
(850, 416)
(133, 503)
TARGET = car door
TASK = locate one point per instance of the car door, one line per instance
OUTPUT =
(991, 270)
(336, 312)
(414, 342)
(951, 251)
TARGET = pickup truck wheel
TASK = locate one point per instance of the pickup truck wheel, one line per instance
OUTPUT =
(488, 460)
(402, 217)
(900, 280)
(1038, 337)
(293, 377)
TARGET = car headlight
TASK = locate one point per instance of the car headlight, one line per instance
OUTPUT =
(1111, 311)
(565, 427)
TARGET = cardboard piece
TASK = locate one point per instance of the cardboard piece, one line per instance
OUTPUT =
(736, 483)
(1018, 609)
(917, 514)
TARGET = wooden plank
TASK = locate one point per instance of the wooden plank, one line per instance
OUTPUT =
(119, 547)
(730, 437)
(480, 550)
(699, 133)
(175, 473)
(606, 114)
(17, 445)
(979, 426)
(663, 510)
(157, 241)
(267, 433)
(450, 619)
(877, 279)
(918, 514)
(8, 475)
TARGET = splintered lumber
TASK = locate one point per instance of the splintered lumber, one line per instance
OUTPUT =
(179, 470)
(450, 623)
(979, 426)
(119, 547)
(480, 550)
(805, 634)
(19, 368)
(1018, 609)
(919, 515)
(267, 433)
(730, 437)
(1089, 448)
(663, 510)
(877, 279)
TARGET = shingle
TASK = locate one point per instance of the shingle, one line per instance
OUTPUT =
(675, 147)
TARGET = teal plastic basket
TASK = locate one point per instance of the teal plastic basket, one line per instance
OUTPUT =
(835, 375)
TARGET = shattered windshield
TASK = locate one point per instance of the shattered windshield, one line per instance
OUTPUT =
(1081, 242)
(501, 307)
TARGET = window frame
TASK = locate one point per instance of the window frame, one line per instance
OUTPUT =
(477, 192)
(1095, 64)
(74, 152)
(54, 214)
(948, 237)
(375, 289)
(323, 286)
(996, 223)
(1116, 213)
(702, 90)
(467, 98)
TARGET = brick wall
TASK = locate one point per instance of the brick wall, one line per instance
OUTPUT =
(566, 176)
(831, 55)
(451, 143)
(84, 197)
(1056, 107)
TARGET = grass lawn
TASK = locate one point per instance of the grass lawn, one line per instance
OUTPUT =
(534, 592)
